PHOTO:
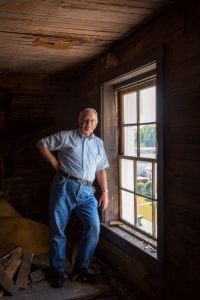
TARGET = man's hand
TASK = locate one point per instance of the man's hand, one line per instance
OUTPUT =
(46, 153)
(103, 201)
(102, 181)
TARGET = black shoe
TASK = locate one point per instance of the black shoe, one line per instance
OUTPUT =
(84, 275)
(57, 278)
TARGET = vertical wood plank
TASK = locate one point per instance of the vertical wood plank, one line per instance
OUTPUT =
(22, 278)
(13, 266)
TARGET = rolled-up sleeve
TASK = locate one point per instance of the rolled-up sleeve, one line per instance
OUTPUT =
(103, 163)
(54, 141)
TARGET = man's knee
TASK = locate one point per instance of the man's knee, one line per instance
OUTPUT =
(94, 227)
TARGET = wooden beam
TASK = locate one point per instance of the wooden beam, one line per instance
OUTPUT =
(10, 253)
(13, 266)
(6, 283)
(22, 278)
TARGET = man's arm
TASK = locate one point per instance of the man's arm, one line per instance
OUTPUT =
(102, 181)
(46, 153)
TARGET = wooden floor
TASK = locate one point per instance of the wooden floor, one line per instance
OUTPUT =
(71, 290)
(107, 287)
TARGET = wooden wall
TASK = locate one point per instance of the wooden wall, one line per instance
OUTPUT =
(30, 103)
(54, 103)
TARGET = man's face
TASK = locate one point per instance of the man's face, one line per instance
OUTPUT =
(88, 122)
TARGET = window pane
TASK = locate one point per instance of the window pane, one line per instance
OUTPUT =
(144, 214)
(148, 105)
(127, 208)
(130, 140)
(126, 174)
(156, 218)
(148, 141)
(144, 178)
(155, 183)
(130, 110)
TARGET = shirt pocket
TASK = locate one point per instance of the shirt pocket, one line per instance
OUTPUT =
(94, 155)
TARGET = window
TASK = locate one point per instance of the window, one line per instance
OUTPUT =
(132, 121)
(137, 157)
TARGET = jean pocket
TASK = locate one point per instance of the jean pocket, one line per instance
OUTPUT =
(59, 179)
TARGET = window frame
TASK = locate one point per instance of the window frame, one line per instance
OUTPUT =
(123, 75)
(122, 124)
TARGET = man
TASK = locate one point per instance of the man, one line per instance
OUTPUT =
(81, 159)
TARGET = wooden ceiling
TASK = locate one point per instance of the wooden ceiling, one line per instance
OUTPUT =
(48, 36)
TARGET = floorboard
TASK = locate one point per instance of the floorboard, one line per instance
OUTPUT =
(101, 290)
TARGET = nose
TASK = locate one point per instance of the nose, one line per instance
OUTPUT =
(87, 122)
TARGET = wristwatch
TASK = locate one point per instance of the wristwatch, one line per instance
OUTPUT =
(104, 190)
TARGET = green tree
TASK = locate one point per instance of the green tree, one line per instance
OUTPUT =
(148, 136)
(148, 188)
(140, 188)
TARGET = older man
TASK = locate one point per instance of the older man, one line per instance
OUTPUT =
(81, 159)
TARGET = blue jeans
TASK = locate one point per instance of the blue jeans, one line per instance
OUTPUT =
(67, 196)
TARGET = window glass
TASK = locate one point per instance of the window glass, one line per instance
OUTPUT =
(129, 109)
(130, 141)
(148, 141)
(127, 174)
(147, 105)
(127, 207)
(144, 214)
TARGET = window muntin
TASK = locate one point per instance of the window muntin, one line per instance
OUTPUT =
(138, 157)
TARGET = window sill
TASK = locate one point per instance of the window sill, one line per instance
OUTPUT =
(124, 238)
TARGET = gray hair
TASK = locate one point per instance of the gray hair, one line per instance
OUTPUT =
(88, 108)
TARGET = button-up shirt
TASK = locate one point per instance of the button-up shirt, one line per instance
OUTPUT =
(79, 155)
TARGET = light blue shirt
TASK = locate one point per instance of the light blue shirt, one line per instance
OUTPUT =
(79, 156)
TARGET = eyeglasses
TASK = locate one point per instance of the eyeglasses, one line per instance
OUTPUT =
(88, 121)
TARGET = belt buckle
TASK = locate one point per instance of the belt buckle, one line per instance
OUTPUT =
(83, 181)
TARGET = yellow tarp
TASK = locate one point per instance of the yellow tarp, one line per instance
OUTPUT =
(6, 210)
(18, 231)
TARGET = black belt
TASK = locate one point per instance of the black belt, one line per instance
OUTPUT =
(80, 180)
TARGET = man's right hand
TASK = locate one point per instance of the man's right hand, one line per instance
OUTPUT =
(47, 154)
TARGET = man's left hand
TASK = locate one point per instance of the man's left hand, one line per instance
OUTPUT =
(103, 201)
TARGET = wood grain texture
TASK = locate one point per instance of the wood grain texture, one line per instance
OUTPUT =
(47, 35)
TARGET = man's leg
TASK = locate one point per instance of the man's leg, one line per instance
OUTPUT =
(87, 211)
(59, 213)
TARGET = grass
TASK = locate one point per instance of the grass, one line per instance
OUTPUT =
(144, 208)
